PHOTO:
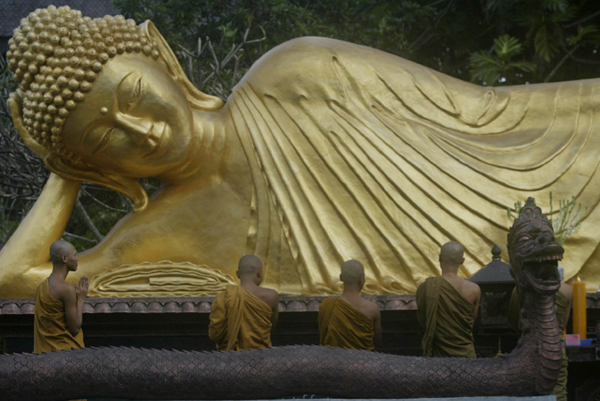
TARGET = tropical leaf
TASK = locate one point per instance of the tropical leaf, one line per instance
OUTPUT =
(525, 66)
(491, 68)
(507, 47)
(485, 67)
(582, 31)
(544, 43)
(556, 5)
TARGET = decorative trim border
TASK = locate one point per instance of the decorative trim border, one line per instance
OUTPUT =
(203, 304)
(26, 306)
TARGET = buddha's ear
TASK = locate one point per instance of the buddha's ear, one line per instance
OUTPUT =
(14, 103)
(197, 98)
(129, 187)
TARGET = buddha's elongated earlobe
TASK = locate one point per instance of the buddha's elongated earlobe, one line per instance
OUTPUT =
(197, 98)
(129, 187)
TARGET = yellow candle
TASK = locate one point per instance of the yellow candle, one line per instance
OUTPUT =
(579, 311)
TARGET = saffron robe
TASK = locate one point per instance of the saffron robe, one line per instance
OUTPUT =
(448, 320)
(342, 325)
(50, 330)
(239, 320)
(562, 305)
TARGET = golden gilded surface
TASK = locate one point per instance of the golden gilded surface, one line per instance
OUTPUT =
(326, 151)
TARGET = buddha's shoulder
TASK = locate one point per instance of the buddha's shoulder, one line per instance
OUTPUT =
(313, 48)
(308, 55)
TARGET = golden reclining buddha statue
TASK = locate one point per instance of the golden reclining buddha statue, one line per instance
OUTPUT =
(325, 151)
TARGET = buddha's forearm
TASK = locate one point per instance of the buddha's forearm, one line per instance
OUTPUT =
(44, 224)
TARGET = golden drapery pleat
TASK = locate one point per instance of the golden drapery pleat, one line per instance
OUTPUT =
(361, 154)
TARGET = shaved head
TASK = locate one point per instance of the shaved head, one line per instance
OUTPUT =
(249, 265)
(58, 249)
(352, 272)
(452, 253)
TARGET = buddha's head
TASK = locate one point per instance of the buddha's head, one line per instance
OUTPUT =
(102, 100)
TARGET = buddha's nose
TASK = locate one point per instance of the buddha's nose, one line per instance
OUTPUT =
(139, 127)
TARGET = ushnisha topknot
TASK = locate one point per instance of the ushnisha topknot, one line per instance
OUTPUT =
(56, 55)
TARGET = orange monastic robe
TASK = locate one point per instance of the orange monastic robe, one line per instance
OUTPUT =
(239, 320)
(447, 317)
(50, 330)
(342, 325)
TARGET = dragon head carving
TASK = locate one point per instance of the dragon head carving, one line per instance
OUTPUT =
(533, 250)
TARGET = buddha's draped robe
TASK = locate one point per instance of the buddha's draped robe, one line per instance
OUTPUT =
(239, 320)
(342, 325)
(50, 330)
(562, 304)
(448, 320)
(356, 153)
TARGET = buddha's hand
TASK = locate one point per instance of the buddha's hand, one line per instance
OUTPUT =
(81, 289)
(14, 103)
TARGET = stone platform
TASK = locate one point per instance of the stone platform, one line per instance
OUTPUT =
(541, 398)
(182, 323)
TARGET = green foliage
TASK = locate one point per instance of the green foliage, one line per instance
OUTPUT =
(566, 223)
(584, 32)
(568, 220)
(544, 43)
(457, 37)
(491, 68)
(499, 42)
(559, 41)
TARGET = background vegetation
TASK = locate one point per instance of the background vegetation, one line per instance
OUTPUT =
(488, 42)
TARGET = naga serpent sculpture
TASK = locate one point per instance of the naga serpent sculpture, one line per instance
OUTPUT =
(531, 369)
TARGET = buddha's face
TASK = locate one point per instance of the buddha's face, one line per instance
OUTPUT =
(135, 121)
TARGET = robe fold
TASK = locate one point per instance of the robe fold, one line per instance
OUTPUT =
(342, 325)
(50, 330)
(562, 305)
(360, 154)
(239, 320)
(448, 320)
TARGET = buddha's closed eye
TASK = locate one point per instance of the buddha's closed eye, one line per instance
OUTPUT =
(103, 141)
(136, 93)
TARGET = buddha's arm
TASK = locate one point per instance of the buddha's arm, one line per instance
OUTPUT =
(29, 245)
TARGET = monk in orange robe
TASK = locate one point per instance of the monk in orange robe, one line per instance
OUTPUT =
(243, 316)
(350, 321)
(59, 305)
(447, 308)
(58, 311)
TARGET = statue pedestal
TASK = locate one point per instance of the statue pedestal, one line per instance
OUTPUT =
(182, 323)
(539, 398)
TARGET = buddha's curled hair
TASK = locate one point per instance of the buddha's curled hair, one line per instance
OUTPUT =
(56, 54)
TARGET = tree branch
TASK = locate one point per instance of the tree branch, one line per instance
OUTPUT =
(589, 17)
(88, 221)
(93, 241)
(561, 62)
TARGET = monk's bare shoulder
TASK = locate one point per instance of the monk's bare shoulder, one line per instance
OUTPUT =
(61, 291)
(471, 286)
(372, 309)
(270, 297)
(473, 291)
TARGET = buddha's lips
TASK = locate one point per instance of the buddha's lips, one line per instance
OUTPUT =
(159, 141)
